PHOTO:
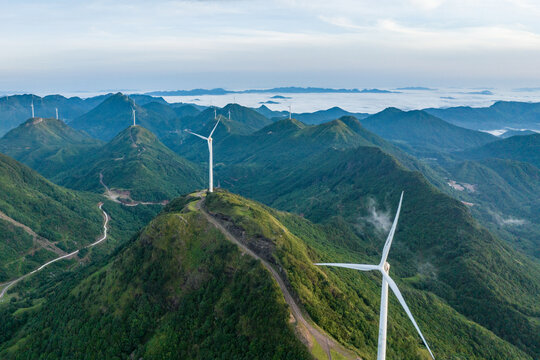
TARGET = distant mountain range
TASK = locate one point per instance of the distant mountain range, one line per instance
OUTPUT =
(420, 131)
(283, 90)
(501, 115)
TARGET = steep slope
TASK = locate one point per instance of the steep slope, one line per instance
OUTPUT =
(447, 252)
(521, 148)
(46, 145)
(500, 115)
(333, 300)
(422, 131)
(504, 195)
(39, 219)
(181, 290)
(135, 165)
(178, 290)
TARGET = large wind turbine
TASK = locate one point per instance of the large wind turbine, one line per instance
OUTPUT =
(32, 106)
(210, 161)
(384, 268)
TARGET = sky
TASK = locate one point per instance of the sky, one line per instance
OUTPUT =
(94, 45)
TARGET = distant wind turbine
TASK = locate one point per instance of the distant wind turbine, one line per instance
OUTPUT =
(133, 111)
(383, 267)
(229, 114)
(210, 161)
(290, 112)
(56, 113)
(32, 106)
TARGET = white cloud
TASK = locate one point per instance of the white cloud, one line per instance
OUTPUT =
(427, 4)
(483, 39)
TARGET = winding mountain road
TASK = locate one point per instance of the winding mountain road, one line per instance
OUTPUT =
(324, 340)
(105, 229)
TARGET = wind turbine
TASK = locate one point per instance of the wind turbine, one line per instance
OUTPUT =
(229, 114)
(383, 267)
(133, 111)
(56, 113)
(32, 106)
(210, 161)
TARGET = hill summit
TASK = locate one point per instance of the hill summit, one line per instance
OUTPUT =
(46, 144)
(135, 165)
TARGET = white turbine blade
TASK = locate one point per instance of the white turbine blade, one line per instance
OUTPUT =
(192, 133)
(215, 126)
(396, 291)
(360, 267)
(390, 237)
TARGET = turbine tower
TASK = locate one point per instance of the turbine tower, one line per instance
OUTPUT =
(383, 267)
(133, 111)
(32, 106)
(229, 114)
(210, 160)
(56, 113)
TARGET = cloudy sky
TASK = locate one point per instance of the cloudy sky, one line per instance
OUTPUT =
(93, 45)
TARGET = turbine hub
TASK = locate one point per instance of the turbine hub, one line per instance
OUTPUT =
(386, 267)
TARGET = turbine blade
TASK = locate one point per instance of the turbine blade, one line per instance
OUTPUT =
(215, 126)
(360, 267)
(192, 133)
(396, 291)
(390, 237)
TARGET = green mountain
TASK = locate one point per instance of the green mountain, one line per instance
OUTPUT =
(180, 289)
(15, 109)
(135, 166)
(39, 220)
(419, 131)
(243, 120)
(448, 252)
(115, 114)
(186, 110)
(46, 145)
(502, 114)
(521, 148)
(287, 143)
(274, 141)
